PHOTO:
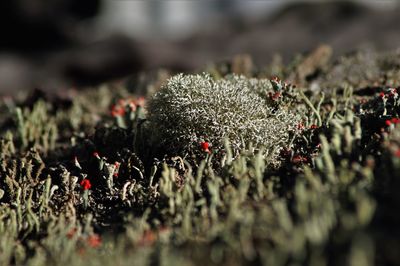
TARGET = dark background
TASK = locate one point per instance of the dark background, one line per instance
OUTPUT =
(56, 44)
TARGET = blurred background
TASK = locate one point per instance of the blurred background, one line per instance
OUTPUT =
(56, 44)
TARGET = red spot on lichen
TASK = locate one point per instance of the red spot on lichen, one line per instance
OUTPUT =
(363, 101)
(276, 96)
(117, 110)
(300, 126)
(85, 183)
(299, 159)
(141, 101)
(205, 146)
(120, 108)
(147, 239)
(275, 79)
(395, 120)
(94, 241)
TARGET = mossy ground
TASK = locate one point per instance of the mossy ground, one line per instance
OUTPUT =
(333, 200)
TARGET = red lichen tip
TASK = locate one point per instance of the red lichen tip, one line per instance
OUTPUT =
(395, 120)
(276, 79)
(117, 110)
(121, 102)
(141, 101)
(299, 159)
(132, 105)
(397, 153)
(205, 146)
(388, 122)
(392, 91)
(96, 154)
(147, 239)
(276, 96)
(313, 126)
(382, 94)
(300, 126)
(94, 241)
(85, 183)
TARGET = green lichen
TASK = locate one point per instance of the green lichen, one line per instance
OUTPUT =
(332, 200)
(191, 109)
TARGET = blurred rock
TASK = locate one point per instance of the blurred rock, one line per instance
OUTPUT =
(311, 64)
(298, 28)
(36, 26)
(100, 61)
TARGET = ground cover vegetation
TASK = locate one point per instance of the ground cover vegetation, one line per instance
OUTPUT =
(295, 164)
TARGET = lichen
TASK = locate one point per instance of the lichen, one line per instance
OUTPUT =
(191, 109)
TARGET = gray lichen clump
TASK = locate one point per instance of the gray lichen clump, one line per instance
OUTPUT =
(192, 109)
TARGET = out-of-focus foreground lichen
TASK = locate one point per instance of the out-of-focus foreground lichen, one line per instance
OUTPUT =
(85, 182)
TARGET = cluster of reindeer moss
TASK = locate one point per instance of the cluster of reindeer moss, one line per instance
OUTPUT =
(83, 182)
